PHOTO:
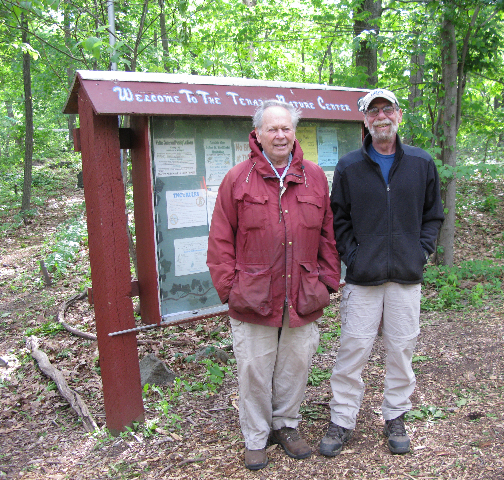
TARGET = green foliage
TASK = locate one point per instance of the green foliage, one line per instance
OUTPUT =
(164, 400)
(453, 293)
(167, 402)
(420, 358)
(64, 247)
(48, 180)
(213, 378)
(327, 338)
(49, 328)
(309, 41)
(490, 204)
(481, 193)
(429, 412)
(499, 250)
(313, 412)
(318, 375)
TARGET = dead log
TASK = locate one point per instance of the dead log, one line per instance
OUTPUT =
(45, 274)
(79, 333)
(69, 328)
(73, 398)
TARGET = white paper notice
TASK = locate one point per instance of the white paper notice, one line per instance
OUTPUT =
(175, 157)
(186, 208)
(217, 160)
(330, 177)
(190, 255)
(242, 151)
(211, 199)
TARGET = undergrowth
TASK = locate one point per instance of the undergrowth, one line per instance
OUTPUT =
(48, 180)
(470, 283)
(65, 247)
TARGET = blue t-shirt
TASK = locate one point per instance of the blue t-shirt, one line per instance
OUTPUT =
(385, 161)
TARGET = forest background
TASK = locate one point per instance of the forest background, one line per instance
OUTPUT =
(444, 61)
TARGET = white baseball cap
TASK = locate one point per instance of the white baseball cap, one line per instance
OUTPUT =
(364, 102)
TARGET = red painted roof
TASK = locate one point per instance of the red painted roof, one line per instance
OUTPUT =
(133, 93)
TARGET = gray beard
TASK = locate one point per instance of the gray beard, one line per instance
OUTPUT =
(383, 135)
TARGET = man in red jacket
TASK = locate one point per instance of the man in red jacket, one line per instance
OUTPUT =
(272, 258)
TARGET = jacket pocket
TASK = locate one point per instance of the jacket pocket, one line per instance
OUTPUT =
(313, 294)
(253, 212)
(251, 292)
(310, 211)
(408, 257)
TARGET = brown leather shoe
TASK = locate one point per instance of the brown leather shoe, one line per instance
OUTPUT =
(291, 442)
(256, 459)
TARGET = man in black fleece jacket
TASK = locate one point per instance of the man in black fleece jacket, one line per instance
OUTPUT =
(387, 214)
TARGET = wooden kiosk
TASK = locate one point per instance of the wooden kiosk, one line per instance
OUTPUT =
(185, 133)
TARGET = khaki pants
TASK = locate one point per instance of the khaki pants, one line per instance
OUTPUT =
(273, 365)
(362, 309)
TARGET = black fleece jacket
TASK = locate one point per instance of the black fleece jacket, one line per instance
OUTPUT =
(384, 229)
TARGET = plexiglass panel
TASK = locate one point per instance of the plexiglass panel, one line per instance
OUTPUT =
(190, 158)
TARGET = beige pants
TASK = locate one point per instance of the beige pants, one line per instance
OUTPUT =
(362, 309)
(273, 365)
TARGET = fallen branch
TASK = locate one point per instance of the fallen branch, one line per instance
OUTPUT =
(73, 398)
(45, 274)
(69, 328)
(79, 333)
(191, 460)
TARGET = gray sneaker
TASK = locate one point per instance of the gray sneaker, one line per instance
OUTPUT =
(398, 440)
(334, 440)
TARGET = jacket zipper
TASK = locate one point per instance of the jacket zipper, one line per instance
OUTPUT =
(281, 191)
(389, 243)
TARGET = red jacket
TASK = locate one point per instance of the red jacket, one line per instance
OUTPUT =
(264, 249)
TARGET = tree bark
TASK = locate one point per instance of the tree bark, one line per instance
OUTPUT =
(72, 117)
(499, 103)
(164, 36)
(366, 55)
(417, 62)
(28, 105)
(449, 55)
(139, 35)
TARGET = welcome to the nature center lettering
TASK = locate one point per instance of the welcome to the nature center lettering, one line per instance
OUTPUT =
(188, 96)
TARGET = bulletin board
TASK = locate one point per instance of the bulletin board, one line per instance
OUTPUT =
(190, 157)
(184, 133)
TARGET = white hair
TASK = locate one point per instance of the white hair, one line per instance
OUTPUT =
(257, 119)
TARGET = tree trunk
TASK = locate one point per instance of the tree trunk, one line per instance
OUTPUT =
(499, 103)
(417, 62)
(139, 35)
(164, 36)
(252, 53)
(366, 55)
(449, 146)
(322, 62)
(10, 115)
(71, 118)
(28, 104)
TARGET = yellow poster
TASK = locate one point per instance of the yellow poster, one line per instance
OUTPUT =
(307, 137)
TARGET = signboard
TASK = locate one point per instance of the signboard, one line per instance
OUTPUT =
(126, 93)
(191, 156)
(185, 132)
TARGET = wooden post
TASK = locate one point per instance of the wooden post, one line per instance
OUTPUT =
(110, 266)
(143, 202)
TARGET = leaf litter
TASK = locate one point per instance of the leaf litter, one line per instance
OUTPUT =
(457, 434)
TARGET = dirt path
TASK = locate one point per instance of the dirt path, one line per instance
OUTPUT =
(459, 399)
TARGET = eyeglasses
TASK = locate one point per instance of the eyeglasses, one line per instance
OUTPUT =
(387, 110)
